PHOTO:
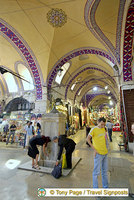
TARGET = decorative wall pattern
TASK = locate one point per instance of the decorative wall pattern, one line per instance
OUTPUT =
(90, 10)
(90, 97)
(86, 82)
(86, 68)
(73, 54)
(102, 106)
(128, 43)
(13, 36)
(56, 17)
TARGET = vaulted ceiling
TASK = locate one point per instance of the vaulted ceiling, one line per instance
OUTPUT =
(94, 36)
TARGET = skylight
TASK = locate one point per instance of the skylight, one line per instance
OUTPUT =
(61, 73)
(12, 86)
(72, 88)
(79, 93)
(24, 72)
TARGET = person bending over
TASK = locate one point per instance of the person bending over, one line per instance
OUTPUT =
(33, 151)
(69, 145)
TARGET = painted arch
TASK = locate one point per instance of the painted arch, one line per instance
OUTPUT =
(73, 54)
(22, 47)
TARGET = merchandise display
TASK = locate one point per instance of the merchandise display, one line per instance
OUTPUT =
(20, 119)
(116, 127)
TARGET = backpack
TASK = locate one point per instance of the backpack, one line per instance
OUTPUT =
(57, 171)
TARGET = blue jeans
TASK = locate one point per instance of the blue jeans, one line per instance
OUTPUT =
(110, 134)
(100, 161)
(11, 133)
(24, 144)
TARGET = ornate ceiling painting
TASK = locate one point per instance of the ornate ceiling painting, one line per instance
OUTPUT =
(92, 35)
(95, 27)
(56, 17)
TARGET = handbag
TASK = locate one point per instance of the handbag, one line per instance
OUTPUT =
(57, 171)
(64, 161)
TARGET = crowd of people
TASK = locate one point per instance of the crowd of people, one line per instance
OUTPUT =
(11, 129)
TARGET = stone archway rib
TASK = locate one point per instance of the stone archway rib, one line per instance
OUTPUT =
(18, 42)
(73, 54)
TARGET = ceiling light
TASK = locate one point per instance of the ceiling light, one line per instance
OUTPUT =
(95, 89)
(108, 91)
(79, 78)
(106, 87)
(109, 97)
(111, 103)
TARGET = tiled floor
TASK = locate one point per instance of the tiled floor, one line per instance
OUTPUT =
(19, 184)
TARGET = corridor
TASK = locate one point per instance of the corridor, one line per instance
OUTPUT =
(20, 184)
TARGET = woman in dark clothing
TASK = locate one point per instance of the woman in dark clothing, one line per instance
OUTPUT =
(33, 151)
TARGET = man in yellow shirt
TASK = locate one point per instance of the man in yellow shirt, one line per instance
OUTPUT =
(98, 135)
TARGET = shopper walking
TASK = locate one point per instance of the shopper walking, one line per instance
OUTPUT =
(29, 132)
(109, 126)
(87, 132)
(69, 145)
(12, 130)
(38, 129)
(25, 133)
(33, 151)
(98, 136)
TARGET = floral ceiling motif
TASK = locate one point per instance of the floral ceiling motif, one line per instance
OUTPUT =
(56, 17)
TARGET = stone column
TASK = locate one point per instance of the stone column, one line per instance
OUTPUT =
(52, 124)
(41, 105)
